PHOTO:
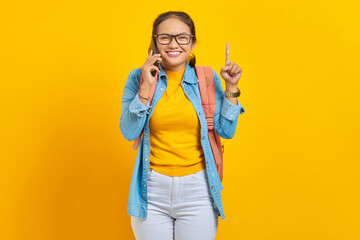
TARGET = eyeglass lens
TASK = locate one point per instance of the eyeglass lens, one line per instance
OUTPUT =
(181, 39)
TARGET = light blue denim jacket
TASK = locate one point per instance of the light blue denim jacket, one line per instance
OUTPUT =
(135, 116)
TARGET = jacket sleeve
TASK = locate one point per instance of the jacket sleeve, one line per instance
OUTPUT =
(133, 111)
(226, 114)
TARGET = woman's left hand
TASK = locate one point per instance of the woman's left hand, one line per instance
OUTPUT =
(231, 72)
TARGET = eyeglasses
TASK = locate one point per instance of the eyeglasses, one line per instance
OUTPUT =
(181, 39)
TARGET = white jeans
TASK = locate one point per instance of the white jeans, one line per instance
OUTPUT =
(179, 208)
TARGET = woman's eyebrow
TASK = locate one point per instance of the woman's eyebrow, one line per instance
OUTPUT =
(174, 34)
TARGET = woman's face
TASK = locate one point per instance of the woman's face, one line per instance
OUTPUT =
(174, 62)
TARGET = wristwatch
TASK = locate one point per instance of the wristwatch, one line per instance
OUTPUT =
(231, 94)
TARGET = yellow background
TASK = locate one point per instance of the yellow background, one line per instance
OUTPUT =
(290, 173)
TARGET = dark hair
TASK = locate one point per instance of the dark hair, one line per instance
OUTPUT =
(185, 18)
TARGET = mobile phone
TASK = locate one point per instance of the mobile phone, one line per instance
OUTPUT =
(157, 63)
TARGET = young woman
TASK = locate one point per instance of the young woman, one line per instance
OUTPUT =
(175, 187)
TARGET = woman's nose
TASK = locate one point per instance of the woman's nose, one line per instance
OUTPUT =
(173, 42)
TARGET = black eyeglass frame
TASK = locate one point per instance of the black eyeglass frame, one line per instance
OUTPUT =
(172, 36)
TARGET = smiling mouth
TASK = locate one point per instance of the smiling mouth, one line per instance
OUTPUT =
(173, 53)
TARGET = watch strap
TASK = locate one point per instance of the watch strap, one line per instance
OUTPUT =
(232, 94)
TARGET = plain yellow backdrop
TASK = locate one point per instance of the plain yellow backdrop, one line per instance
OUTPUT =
(291, 172)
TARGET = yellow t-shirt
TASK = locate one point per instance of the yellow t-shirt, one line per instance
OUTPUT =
(175, 132)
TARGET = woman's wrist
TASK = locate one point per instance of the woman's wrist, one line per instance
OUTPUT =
(231, 88)
(144, 90)
(142, 96)
(143, 93)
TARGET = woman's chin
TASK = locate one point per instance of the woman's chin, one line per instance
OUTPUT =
(173, 64)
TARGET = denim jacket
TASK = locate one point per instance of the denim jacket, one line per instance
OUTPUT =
(135, 117)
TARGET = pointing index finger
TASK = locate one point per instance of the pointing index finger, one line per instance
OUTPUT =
(227, 53)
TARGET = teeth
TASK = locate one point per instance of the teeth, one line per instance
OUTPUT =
(173, 53)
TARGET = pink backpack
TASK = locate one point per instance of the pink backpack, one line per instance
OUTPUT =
(208, 100)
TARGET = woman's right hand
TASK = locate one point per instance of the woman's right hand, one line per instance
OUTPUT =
(148, 67)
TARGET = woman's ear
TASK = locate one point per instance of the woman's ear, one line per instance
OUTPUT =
(193, 46)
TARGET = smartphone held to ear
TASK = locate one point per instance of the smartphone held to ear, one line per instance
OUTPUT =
(157, 63)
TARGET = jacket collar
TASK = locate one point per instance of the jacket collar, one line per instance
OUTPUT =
(189, 74)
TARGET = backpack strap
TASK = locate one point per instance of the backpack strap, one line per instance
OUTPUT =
(151, 95)
(208, 100)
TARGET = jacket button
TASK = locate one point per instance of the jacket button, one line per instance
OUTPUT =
(146, 134)
(146, 159)
(145, 185)
(202, 137)
(188, 93)
(211, 186)
(161, 89)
